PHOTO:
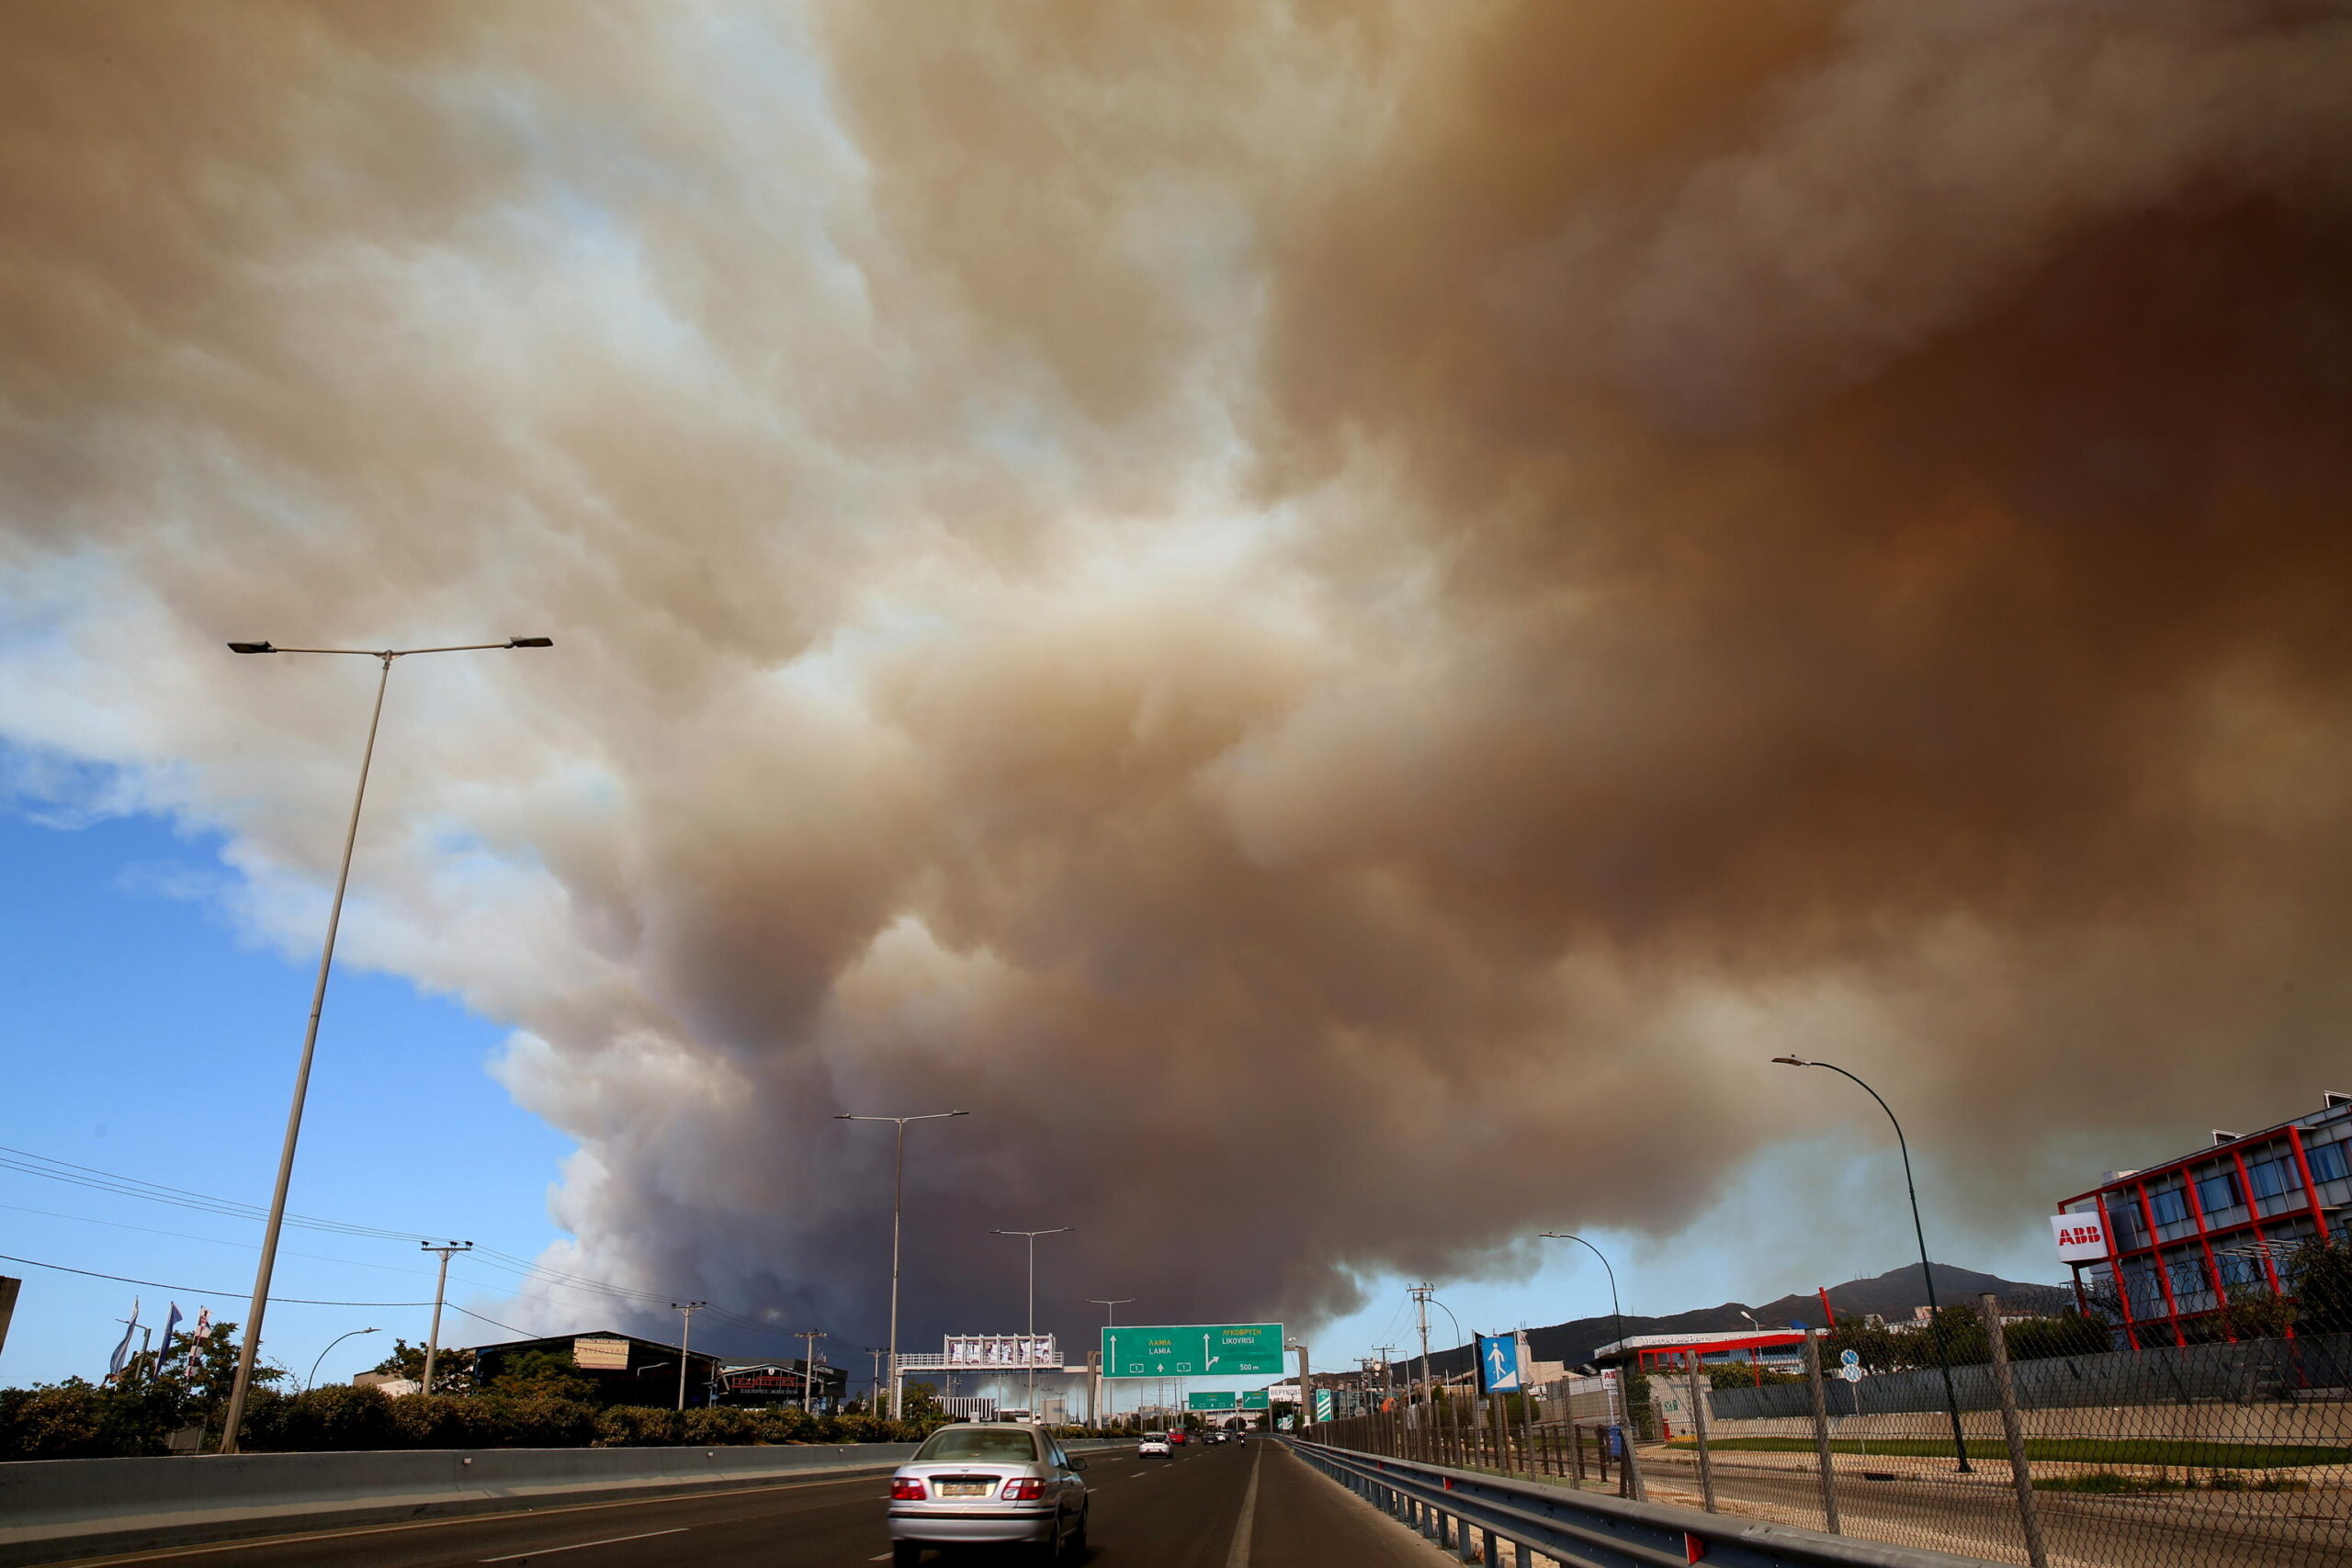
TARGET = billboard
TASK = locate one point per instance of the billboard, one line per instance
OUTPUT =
(999, 1352)
(600, 1355)
(1194, 1349)
(2082, 1238)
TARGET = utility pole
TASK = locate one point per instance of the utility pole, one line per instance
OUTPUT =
(876, 1352)
(1306, 1387)
(809, 1337)
(1421, 1294)
(440, 1283)
(685, 1339)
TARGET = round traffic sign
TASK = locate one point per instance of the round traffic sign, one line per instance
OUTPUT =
(1851, 1374)
(1851, 1357)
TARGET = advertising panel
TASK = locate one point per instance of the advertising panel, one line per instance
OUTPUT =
(600, 1355)
(997, 1352)
(2082, 1238)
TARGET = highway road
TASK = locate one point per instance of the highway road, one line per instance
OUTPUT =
(1235, 1506)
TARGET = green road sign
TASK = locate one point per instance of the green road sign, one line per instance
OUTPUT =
(1194, 1349)
(1245, 1399)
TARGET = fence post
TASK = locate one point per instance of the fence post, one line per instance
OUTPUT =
(2013, 1431)
(1698, 1431)
(1821, 1433)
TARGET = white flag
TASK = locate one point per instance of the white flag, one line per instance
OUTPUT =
(122, 1351)
(195, 1342)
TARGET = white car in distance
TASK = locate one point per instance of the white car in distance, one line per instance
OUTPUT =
(1152, 1443)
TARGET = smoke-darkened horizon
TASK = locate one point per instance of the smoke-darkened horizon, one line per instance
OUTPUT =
(1384, 600)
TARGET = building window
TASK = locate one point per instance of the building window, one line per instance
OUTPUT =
(2169, 1206)
(2273, 1178)
(2219, 1191)
(2188, 1276)
(2240, 1272)
(2327, 1162)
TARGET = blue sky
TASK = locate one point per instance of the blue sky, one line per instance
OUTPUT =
(144, 1036)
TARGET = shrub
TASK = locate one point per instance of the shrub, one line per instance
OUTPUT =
(636, 1426)
(440, 1421)
(719, 1424)
(541, 1422)
(336, 1418)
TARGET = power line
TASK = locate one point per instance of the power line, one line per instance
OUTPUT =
(199, 1289)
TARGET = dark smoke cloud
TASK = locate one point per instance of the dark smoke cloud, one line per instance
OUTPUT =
(1372, 606)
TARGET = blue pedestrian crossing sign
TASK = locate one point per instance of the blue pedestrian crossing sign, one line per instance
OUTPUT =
(1498, 1363)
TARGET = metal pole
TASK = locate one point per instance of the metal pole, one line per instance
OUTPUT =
(898, 1207)
(2013, 1433)
(313, 1378)
(1926, 1269)
(685, 1341)
(1821, 1432)
(1421, 1302)
(1698, 1432)
(440, 1283)
(809, 1337)
(233, 1416)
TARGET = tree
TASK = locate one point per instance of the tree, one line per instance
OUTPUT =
(2319, 1273)
(453, 1370)
(539, 1374)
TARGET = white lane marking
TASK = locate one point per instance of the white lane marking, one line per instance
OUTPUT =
(608, 1540)
(883, 1558)
(1239, 1556)
(1139, 1472)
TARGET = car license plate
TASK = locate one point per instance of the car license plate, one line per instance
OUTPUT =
(963, 1489)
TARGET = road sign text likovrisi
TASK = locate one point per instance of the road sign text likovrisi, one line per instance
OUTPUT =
(1192, 1349)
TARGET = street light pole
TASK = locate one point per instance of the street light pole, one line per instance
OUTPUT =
(1102, 1368)
(898, 1204)
(232, 1416)
(1927, 1269)
(809, 1337)
(1031, 1331)
(323, 1355)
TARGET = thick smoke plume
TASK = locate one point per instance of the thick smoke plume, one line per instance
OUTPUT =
(1380, 601)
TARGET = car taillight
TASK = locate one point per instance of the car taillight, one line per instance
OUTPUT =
(906, 1489)
(1023, 1486)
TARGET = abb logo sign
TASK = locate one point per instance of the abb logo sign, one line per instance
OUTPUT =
(2082, 1238)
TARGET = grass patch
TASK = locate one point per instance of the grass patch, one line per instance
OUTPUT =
(2186, 1452)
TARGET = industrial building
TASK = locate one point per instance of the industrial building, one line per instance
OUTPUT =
(2166, 1249)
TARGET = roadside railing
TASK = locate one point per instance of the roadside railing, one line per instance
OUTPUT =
(1474, 1517)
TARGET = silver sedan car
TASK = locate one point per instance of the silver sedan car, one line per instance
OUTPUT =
(988, 1485)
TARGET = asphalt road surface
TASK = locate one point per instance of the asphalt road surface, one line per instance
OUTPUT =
(1186, 1511)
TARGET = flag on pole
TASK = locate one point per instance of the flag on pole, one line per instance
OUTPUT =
(164, 1345)
(122, 1352)
(195, 1342)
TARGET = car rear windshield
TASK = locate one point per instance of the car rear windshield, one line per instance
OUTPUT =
(980, 1442)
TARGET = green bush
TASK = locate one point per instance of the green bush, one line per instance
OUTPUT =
(540, 1421)
(336, 1418)
(636, 1427)
(719, 1424)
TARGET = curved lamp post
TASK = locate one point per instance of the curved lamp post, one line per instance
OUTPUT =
(233, 1416)
(1927, 1269)
(331, 1345)
(1616, 1313)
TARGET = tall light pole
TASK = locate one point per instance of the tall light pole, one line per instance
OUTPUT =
(1927, 1269)
(685, 1340)
(876, 1351)
(440, 1285)
(898, 1204)
(323, 1355)
(234, 1414)
(1102, 1369)
(1031, 1332)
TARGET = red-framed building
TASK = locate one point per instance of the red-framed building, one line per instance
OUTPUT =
(2184, 1237)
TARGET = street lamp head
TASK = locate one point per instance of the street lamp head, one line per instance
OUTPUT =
(1792, 1061)
(530, 642)
(251, 647)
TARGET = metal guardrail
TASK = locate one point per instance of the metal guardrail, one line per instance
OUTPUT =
(1587, 1530)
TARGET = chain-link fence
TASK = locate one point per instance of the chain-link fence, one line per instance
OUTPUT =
(2235, 1454)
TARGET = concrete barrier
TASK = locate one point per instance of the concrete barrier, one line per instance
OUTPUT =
(55, 1509)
